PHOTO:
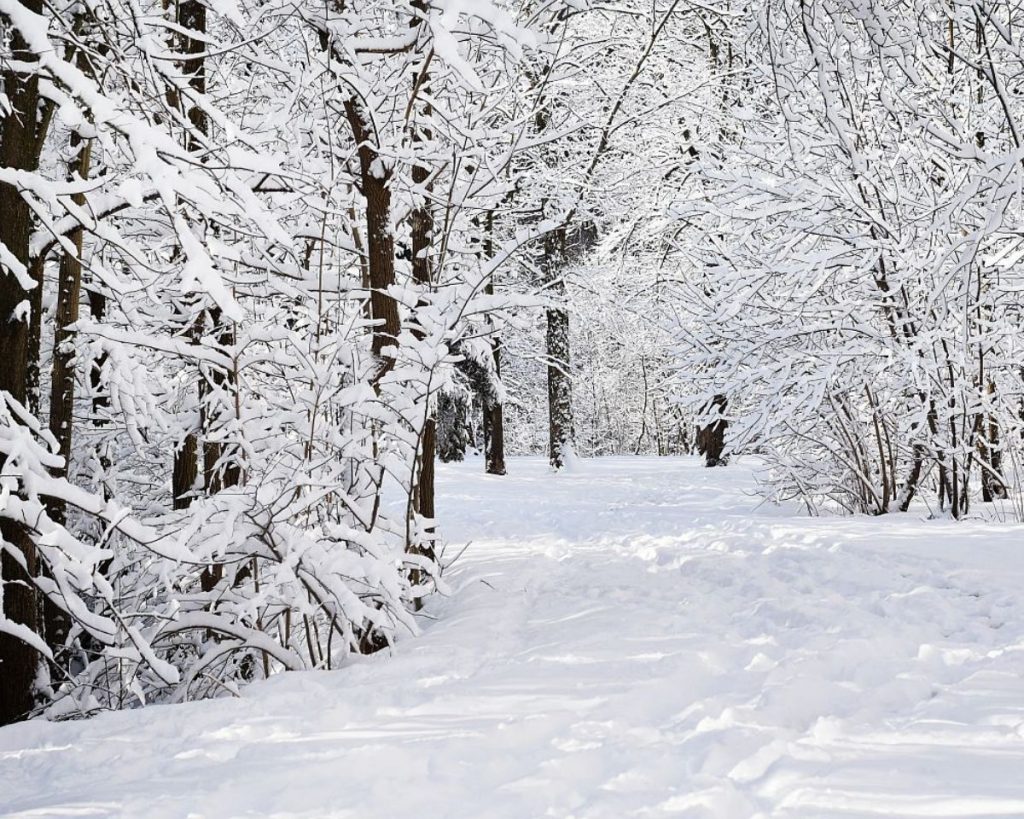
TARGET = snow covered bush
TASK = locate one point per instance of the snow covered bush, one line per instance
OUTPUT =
(859, 306)
(267, 207)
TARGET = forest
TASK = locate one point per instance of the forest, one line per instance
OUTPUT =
(269, 267)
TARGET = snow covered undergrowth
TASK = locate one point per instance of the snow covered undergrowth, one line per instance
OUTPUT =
(635, 638)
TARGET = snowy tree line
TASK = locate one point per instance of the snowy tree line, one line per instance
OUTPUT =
(807, 243)
(264, 263)
(859, 299)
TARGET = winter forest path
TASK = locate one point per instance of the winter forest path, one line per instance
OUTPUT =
(634, 638)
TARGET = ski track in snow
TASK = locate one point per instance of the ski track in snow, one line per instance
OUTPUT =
(634, 638)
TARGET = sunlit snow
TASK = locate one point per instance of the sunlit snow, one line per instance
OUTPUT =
(635, 638)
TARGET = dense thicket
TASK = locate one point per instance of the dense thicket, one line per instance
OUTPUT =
(272, 212)
(808, 240)
(860, 306)
(263, 263)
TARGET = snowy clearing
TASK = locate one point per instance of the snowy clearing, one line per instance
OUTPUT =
(634, 638)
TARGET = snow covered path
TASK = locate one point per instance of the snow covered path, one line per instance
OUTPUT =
(633, 639)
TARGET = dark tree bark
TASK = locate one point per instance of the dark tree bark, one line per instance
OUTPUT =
(218, 471)
(185, 471)
(190, 16)
(57, 622)
(494, 424)
(375, 185)
(711, 437)
(560, 419)
(493, 411)
(62, 379)
(561, 434)
(35, 334)
(19, 138)
(221, 468)
(69, 291)
(375, 179)
(990, 452)
(100, 397)
(421, 221)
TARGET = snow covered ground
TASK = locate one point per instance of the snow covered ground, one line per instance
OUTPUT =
(635, 638)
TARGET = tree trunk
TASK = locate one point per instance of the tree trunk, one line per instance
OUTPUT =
(494, 424)
(217, 382)
(711, 437)
(69, 291)
(494, 412)
(19, 663)
(991, 454)
(374, 184)
(62, 379)
(422, 236)
(422, 222)
(100, 398)
(190, 16)
(35, 333)
(375, 178)
(560, 419)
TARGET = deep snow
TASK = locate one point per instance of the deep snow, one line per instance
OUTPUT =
(636, 638)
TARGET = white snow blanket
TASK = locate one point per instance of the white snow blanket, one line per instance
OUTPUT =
(637, 638)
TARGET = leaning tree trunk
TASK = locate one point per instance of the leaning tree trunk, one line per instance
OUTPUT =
(19, 663)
